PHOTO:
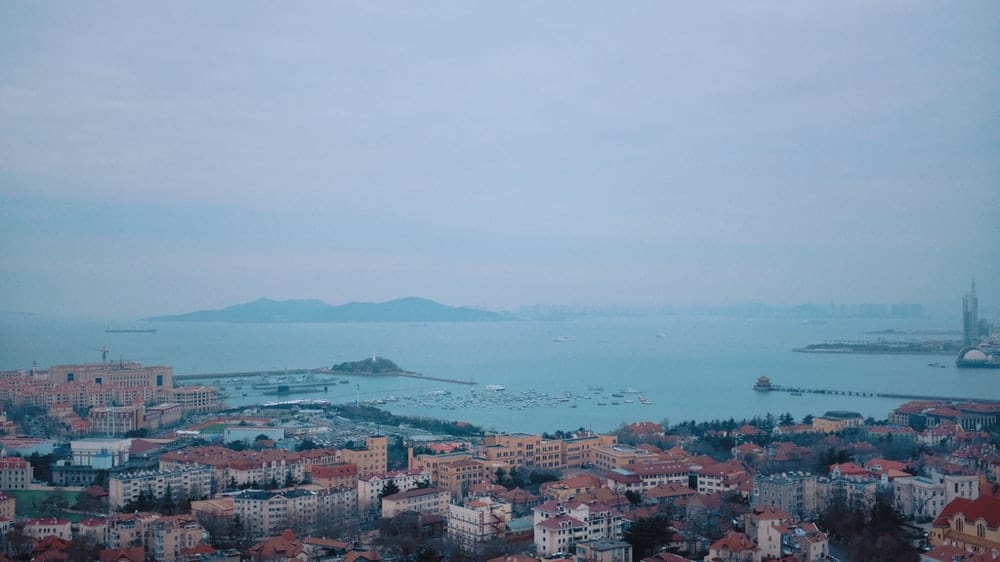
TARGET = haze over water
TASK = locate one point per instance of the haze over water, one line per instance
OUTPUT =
(688, 366)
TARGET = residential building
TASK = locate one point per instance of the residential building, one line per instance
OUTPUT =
(162, 537)
(305, 508)
(334, 475)
(370, 460)
(49, 526)
(8, 507)
(15, 473)
(972, 525)
(187, 482)
(371, 487)
(734, 547)
(926, 496)
(858, 493)
(558, 534)
(422, 500)
(285, 547)
(792, 492)
(477, 522)
(603, 550)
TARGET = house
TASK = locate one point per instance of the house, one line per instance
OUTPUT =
(282, 547)
(973, 525)
(733, 547)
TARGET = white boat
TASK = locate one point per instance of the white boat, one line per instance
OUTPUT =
(495, 387)
(562, 339)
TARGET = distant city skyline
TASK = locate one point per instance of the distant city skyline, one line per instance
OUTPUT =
(166, 158)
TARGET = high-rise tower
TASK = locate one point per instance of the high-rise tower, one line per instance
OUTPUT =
(970, 317)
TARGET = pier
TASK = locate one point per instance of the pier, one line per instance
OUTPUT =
(764, 384)
(314, 371)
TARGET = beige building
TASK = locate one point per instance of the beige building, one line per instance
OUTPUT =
(422, 500)
(8, 507)
(15, 473)
(197, 399)
(477, 522)
(49, 526)
(116, 420)
(832, 422)
(579, 452)
(373, 459)
(621, 456)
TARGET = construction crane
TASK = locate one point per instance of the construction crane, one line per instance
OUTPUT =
(104, 352)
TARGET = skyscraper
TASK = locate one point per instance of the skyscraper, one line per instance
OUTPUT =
(970, 317)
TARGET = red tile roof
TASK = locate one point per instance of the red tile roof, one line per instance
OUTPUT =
(983, 507)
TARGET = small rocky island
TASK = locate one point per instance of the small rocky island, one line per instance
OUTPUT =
(370, 366)
(382, 367)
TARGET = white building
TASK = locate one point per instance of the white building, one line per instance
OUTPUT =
(101, 454)
(190, 482)
(926, 496)
(370, 487)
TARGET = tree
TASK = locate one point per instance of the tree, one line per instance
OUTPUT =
(389, 489)
(633, 498)
(307, 444)
(648, 535)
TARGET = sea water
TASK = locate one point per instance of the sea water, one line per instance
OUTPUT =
(556, 375)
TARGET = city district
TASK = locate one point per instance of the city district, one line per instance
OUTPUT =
(112, 462)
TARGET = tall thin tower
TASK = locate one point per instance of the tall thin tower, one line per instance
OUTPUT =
(970, 317)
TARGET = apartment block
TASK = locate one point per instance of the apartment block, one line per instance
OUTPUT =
(792, 492)
(305, 508)
(190, 482)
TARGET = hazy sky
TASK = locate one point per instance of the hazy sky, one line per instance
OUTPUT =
(164, 157)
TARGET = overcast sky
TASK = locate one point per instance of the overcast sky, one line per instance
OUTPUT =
(165, 157)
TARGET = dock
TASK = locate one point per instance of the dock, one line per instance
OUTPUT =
(770, 387)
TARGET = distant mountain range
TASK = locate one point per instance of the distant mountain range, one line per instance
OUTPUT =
(410, 309)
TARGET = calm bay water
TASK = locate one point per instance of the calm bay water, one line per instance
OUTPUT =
(689, 367)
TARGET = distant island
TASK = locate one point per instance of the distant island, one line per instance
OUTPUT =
(410, 309)
(885, 347)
